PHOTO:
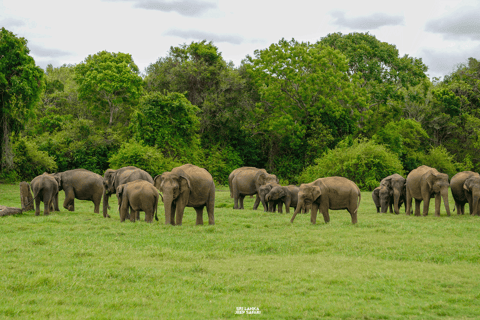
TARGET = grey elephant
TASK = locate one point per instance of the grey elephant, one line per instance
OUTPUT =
(186, 186)
(113, 178)
(287, 195)
(394, 193)
(465, 188)
(248, 182)
(45, 188)
(376, 198)
(80, 184)
(271, 205)
(334, 193)
(424, 183)
(138, 195)
(234, 173)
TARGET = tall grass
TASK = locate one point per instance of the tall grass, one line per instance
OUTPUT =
(78, 265)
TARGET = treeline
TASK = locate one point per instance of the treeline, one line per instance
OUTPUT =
(346, 105)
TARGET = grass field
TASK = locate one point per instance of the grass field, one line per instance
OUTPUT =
(78, 265)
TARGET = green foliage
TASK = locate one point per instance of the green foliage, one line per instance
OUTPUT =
(406, 138)
(29, 160)
(110, 83)
(382, 72)
(169, 123)
(79, 144)
(440, 159)
(144, 157)
(364, 162)
(220, 162)
(21, 83)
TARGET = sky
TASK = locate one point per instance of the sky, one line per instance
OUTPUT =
(441, 33)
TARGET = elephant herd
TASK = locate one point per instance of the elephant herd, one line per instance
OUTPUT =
(425, 183)
(335, 193)
(136, 190)
(192, 186)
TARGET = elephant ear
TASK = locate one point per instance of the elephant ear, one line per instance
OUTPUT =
(288, 195)
(120, 190)
(387, 182)
(467, 186)
(184, 182)
(430, 177)
(316, 192)
(58, 178)
(157, 182)
(261, 178)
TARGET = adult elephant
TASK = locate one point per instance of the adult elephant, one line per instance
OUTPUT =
(45, 188)
(395, 185)
(186, 186)
(334, 193)
(80, 184)
(465, 188)
(424, 183)
(248, 182)
(138, 195)
(287, 195)
(113, 178)
(234, 173)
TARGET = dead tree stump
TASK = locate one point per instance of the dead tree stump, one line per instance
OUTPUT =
(26, 197)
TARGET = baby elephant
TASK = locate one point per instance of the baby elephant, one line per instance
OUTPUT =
(139, 195)
(287, 195)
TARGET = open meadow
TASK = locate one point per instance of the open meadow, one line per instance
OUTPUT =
(78, 265)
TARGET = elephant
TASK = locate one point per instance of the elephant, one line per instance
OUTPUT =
(248, 182)
(113, 178)
(465, 188)
(424, 183)
(186, 186)
(287, 195)
(26, 198)
(262, 193)
(376, 198)
(395, 185)
(334, 193)
(139, 195)
(80, 184)
(45, 188)
(234, 172)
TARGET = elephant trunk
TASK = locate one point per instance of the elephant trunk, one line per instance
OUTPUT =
(105, 203)
(474, 210)
(445, 200)
(396, 200)
(299, 207)
(168, 205)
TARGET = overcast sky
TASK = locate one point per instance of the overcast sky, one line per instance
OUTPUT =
(442, 33)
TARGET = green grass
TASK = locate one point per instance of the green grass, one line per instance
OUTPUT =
(78, 265)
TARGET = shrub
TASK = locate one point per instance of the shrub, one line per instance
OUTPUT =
(220, 162)
(147, 158)
(364, 162)
(440, 159)
(29, 161)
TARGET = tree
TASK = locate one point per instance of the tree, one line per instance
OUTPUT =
(110, 82)
(168, 122)
(306, 95)
(383, 72)
(21, 83)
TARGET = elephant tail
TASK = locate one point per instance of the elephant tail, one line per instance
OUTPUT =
(359, 199)
(156, 208)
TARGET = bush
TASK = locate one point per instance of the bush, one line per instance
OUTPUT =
(220, 162)
(440, 159)
(29, 161)
(364, 162)
(144, 157)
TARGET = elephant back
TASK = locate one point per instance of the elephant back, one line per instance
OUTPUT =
(200, 180)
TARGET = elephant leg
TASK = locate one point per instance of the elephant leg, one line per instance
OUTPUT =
(417, 207)
(426, 204)
(257, 203)
(241, 198)
(211, 210)
(180, 210)
(280, 207)
(236, 197)
(438, 201)
(408, 203)
(458, 206)
(69, 196)
(123, 213)
(313, 214)
(47, 203)
(353, 209)
(37, 206)
(55, 203)
(391, 207)
(133, 215)
(149, 215)
(199, 211)
(96, 203)
(326, 215)
(172, 213)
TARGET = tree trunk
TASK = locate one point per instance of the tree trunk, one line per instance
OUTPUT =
(7, 211)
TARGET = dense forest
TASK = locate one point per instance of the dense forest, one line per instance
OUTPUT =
(346, 105)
